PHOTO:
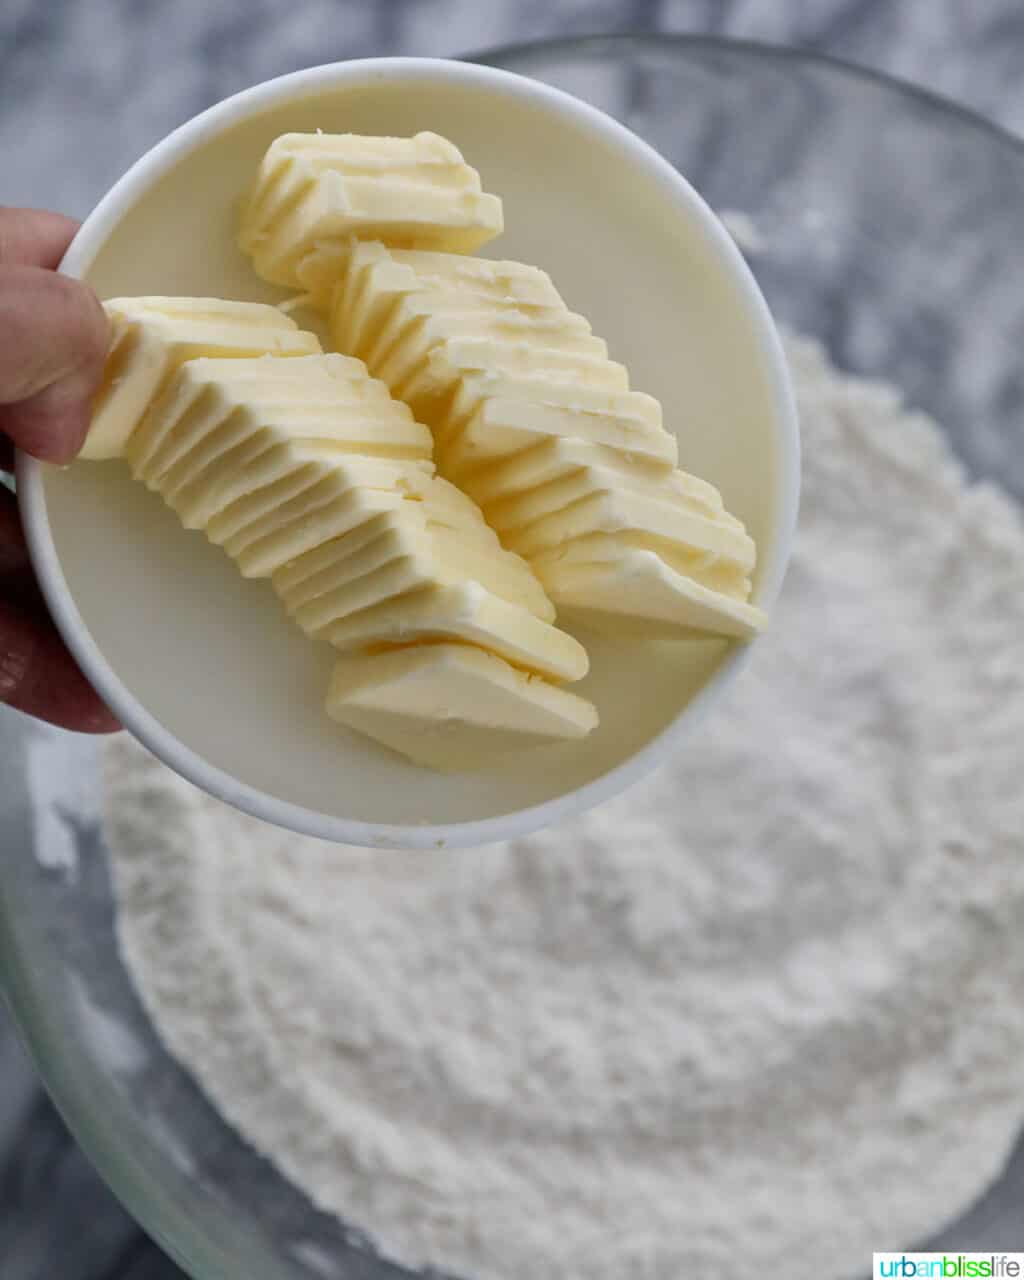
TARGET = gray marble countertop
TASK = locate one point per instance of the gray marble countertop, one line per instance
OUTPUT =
(87, 85)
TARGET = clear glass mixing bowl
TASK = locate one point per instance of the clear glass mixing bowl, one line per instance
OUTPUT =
(883, 220)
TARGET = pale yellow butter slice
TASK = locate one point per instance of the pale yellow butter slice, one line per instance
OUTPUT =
(334, 507)
(373, 278)
(390, 581)
(418, 322)
(304, 524)
(451, 707)
(412, 517)
(575, 395)
(430, 388)
(557, 457)
(153, 336)
(468, 613)
(215, 426)
(294, 160)
(502, 427)
(638, 593)
(497, 278)
(289, 578)
(619, 511)
(399, 478)
(438, 555)
(312, 386)
(528, 505)
(281, 474)
(246, 433)
(412, 192)
(243, 474)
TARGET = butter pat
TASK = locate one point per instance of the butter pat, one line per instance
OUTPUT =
(418, 324)
(616, 510)
(430, 387)
(410, 192)
(340, 503)
(575, 394)
(637, 592)
(152, 337)
(500, 428)
(471, 614)
(451, 707)
(371, 280)
(310, 389)
(560, 457)
(243, 434)
(433, 554)
(523, 508)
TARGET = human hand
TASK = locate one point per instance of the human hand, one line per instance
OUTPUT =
(53, 342)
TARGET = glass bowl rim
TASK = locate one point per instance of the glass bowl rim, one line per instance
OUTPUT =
(671, 42)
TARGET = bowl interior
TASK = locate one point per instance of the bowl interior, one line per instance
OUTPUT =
(212, 657)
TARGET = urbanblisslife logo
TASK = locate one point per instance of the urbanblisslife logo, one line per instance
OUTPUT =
(948, 1266)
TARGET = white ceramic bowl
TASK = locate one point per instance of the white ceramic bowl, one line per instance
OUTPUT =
(203, 666)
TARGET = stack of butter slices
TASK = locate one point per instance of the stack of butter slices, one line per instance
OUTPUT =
(421, 498)
(307, 472)
(320, 187)
(573, 470)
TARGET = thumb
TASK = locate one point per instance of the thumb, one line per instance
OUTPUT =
(54, 336)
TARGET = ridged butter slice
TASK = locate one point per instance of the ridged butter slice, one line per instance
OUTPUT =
(411, 516)
(451, 707)
(502, 427)
(558, 457)
(333, 507)
(278, 475)
(409, 192)
(526, 506)
(469, 613)
(153, 336)
(419, 323)
(372, 279)
(358, 577)
(474, 388)
(617, 511)
(236, 479)
(429, 389)
(309, 386)
(716, 573)
(637, 591)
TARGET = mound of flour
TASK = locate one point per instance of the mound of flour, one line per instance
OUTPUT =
(766, 1008)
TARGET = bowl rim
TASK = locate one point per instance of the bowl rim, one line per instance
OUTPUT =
(668, 41)
(156, 163)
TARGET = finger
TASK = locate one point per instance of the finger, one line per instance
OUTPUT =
(55, 336)
(39, 676)
(34, 237)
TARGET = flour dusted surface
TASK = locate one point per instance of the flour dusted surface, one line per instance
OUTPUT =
(766, 1008)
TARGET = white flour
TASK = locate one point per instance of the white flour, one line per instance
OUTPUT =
(764, 1011)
